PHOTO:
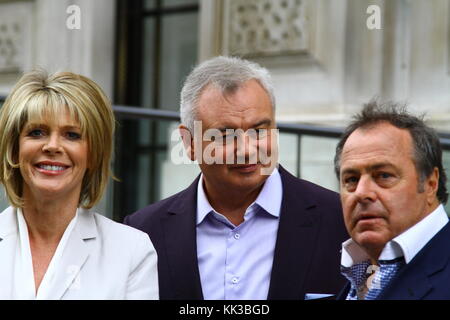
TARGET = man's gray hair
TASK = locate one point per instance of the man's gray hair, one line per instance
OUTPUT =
(225, 73)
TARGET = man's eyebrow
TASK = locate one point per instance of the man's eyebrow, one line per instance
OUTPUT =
(223, 129)
(261, 123)
(350, 171)
(257, 124)
(381, 165)
(376, 166)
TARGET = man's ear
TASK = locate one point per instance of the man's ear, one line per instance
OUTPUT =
(188, 141)
(432, 185)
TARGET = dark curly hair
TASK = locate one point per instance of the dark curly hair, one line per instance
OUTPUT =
(427, 147)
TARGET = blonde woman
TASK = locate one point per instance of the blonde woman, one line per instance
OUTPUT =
(56, 141)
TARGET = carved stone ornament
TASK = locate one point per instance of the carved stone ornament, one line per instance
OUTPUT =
(14, 24)
(265, 27)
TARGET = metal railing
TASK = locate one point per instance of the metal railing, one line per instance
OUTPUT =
(133, 112)
(155, 114)
(130, 112)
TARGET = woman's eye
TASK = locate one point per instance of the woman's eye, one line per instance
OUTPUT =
(73, 135)
(35, 133)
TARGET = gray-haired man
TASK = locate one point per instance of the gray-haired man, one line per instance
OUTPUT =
(244, 229)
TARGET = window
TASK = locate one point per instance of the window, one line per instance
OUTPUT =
(156, 48)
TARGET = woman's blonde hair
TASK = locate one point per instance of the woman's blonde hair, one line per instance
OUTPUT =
(40, 96)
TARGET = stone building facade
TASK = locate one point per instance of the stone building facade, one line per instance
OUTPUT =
(327, 57)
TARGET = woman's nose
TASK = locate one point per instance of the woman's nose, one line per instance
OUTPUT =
(52, 145)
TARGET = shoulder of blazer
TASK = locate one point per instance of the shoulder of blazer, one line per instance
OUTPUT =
(308, 192)
(175, 203)
(427, 274)
(434, 256)
(301, 196)
(109, 228)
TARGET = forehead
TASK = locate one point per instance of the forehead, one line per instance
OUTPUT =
(60, 116)
(249, 103)
(380, 143)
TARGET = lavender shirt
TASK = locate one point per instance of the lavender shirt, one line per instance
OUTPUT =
(235, 263)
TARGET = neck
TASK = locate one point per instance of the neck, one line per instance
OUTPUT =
(375, 252)
(48, 219)
(433, 206)
(231, 203)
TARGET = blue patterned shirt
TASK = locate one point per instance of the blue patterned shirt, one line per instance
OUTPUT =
(355, 262)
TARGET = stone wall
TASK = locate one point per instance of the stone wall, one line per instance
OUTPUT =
(39, 34)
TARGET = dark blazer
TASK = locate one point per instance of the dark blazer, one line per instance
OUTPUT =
(307, 250)
(425, 277)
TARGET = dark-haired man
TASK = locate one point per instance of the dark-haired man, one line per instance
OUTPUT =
(392, 185)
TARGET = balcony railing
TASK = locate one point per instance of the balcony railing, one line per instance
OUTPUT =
(133, 112)
(130, 112)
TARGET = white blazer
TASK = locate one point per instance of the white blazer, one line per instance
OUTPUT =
(102, 259)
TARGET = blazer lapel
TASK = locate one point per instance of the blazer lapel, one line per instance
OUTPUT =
(411, 283)
(75, 255)
(8, 238)
(342, 295)
(297, 232)
(179, 226)
(8, 223)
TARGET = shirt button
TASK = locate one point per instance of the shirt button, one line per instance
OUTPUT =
(237, 236)
(235, 280)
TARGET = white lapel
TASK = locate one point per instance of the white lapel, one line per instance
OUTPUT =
(8, 247)
(75, 254)
(8, 223)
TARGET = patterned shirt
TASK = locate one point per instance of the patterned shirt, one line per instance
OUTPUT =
(356, 265)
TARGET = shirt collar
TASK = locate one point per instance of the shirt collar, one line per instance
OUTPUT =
(269, 198)
(203, 205)
(416, 237)
(407, 244)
